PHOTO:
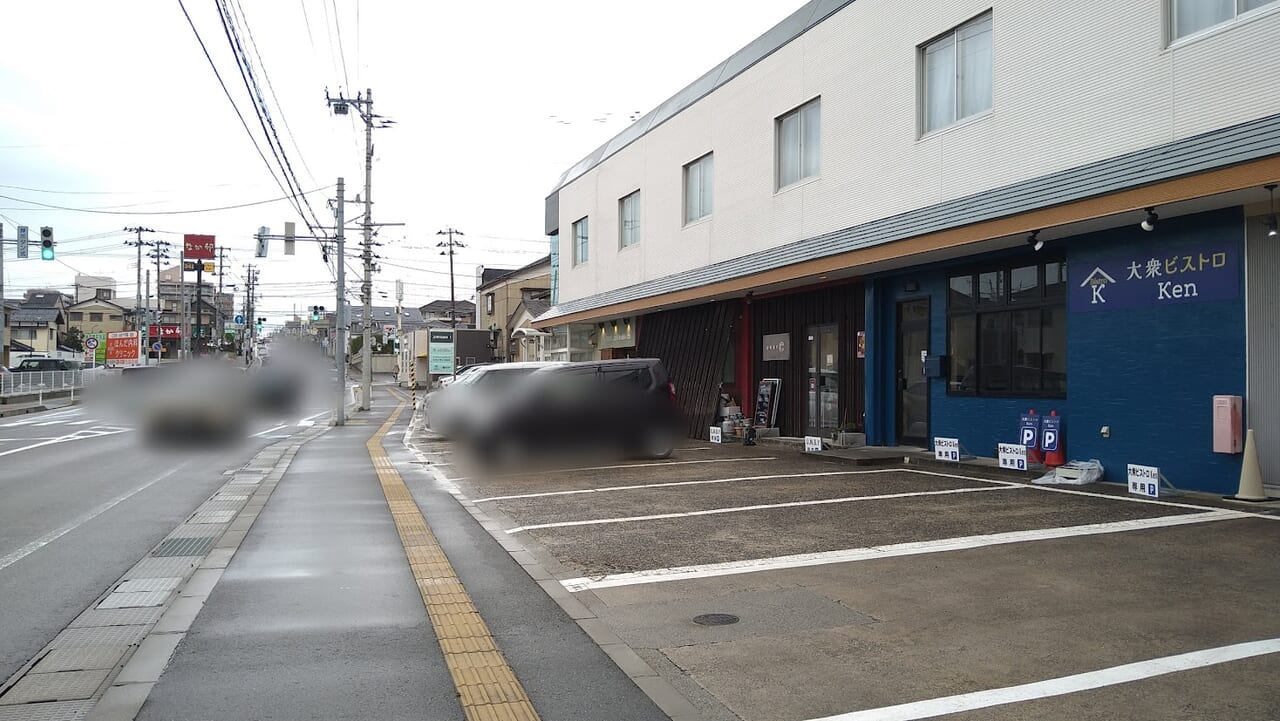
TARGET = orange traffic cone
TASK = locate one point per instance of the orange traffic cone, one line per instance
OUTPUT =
(1251, 475)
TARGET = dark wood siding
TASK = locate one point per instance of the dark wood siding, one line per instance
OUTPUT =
(793, 314)
(693, 344)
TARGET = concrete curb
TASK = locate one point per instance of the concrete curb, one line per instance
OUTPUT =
(665, 696)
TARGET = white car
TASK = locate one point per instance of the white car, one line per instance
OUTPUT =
(452, 410)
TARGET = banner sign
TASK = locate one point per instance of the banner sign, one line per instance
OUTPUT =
(1194, 273)
(440, 352)
(1029, 430)
(1050, 433)
(198, 247)
(165, 331)
(122, 347)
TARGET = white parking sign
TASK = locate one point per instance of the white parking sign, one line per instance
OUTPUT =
(1144, 480)
(1013, 455)
(946, 449)
(714, 434)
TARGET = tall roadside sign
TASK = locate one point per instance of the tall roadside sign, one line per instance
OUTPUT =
(440, 352)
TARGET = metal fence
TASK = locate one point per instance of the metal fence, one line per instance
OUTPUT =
(47, 381)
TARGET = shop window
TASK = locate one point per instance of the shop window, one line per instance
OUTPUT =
(1006, 331)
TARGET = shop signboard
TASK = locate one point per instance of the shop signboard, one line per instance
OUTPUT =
(812, 444)
(1144, 480)
(122, 347)
(946, 449)
(1186, 274)
(714, 434)
(1012, 455)
(440, 352)
(198, 247)
(164, 331)
(767, 402)
(777, 347)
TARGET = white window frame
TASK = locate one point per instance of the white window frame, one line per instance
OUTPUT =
(804, 144)
(581, 238)
(634, 231)
(488, 303)
(922, 55)
(1239, 14)
(705, 167)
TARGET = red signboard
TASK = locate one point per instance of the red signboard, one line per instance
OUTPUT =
(197, 247)
(165, 331)
(122, 347)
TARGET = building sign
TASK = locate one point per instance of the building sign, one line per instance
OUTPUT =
(197, 247)
(777, 347)
(122, 347)
(165, 331)
(191, 265)
(1144, 480)
(1194, 273)
(946, 449)
(440, 352)
(1012, 455)
(715, 434)
(813, 444)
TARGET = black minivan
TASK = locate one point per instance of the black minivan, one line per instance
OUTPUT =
(608, 406)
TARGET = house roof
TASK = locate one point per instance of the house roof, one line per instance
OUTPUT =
(43, 299)
(385, 314)
(544, 260)
(488, 275)
(26, 314)
(97, 301)
(463, 307)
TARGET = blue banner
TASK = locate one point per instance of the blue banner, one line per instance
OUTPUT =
(1050, 433)
(1029, 430)
(1162, 276)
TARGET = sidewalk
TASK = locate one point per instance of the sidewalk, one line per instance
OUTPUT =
(318, 614)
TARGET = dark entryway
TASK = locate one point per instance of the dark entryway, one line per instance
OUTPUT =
(823, 382)
(913, 386)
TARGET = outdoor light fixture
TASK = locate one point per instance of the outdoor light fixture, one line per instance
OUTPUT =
(1034, 241)
(1149, 222)
(1273, 227)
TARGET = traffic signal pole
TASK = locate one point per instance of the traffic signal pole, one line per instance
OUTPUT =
(340, 320)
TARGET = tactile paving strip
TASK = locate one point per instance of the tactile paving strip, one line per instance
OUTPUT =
(139, 585)
(63, 686)
(487, 687)
(80, 659)
(56, 711)
(184, 546)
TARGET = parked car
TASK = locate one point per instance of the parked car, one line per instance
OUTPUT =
(602, 407)
(459, 372)
(32, 365)
(454, 410)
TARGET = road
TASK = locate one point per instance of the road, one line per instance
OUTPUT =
(83, 500)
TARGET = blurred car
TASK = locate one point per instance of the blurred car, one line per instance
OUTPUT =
(459, 372)
(452, 411)
(32, 365)
(595, 407)
(195, 402)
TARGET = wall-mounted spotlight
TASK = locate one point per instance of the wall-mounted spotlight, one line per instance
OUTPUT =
(1034, 241)
(1149, 222)
(1273, 226)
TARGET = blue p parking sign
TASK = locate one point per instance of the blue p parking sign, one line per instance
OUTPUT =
(1050, 431)
(1029, 432)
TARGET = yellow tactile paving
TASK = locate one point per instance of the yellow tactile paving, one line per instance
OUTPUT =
(487, 687)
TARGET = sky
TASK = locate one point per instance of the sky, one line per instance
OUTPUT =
(113, 107)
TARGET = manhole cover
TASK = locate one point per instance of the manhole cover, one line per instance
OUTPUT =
(715, 619)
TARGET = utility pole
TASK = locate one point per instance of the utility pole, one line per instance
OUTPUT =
(449, 245)
(4, 342)
(160, 253)
(220, 323)
(138, 311)
(340, 320)
(364, 106)
(399, 327)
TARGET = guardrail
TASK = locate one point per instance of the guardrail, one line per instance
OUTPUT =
(12, 384)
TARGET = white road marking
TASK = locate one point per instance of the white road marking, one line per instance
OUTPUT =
(669, 484)
(82, 423)
(33, 438)
(260, 434)
(758, 507)
(1062, 685)
(310, 420)
(638, 465)
(38, 417)
(95, 432)
(52, 536)
(911, 548)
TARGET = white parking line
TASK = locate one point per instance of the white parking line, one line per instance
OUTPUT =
(633, 465)
(1127, 673)
(669, 484)
(912, 548)
(759, 507)
(52, 536)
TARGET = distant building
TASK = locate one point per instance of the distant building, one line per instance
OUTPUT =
(443, 314)
(94, 286)
(502, 296)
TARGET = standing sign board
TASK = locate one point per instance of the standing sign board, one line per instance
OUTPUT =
(812, 444)
(1144, 480)
(714, 434)
(1029, 430)
(1012, 455)
(946, 449)
(767, 402)
(123, 347)
(1050, 433)
(440, 352)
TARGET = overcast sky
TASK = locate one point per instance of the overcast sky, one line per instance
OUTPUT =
(113, 106)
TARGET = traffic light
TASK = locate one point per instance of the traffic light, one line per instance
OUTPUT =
(288, 238)
(260, 322)
(316, 312)
(46, 243)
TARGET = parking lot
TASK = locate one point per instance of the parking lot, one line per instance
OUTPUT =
(904, 592)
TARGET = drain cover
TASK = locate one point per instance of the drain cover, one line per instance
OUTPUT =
(715, 619)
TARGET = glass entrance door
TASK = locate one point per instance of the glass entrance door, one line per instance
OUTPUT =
(823, 381)
(913, 386)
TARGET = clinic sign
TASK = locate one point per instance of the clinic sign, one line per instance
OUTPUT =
(440, 352)
(1191, 274)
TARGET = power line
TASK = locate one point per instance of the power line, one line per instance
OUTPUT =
(337, 24)
(100, 211)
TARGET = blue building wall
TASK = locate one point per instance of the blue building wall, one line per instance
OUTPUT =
(1150, 372)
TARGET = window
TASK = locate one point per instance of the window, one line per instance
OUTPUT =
(1006, 330)
(488, 303)
(95, 317)
(957, 71)
(77, 315)
(580, 248)
(629, 220)
(697, 188)
(114, 316)
(1188, 17)
(799, 141)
